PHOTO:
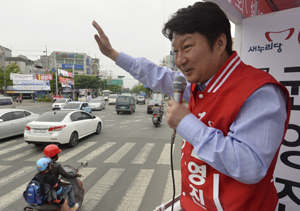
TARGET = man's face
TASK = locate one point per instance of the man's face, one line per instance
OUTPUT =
(193, 56)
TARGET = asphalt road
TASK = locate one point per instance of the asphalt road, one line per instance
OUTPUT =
(129, 162)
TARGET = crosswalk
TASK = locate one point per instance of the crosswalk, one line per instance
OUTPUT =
(137, 182)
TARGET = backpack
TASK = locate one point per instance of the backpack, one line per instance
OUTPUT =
(35, 190)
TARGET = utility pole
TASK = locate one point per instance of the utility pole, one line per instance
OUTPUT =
(73, 83)
(3, 62)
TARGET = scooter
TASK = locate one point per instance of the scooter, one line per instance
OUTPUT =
(76, 184)
(156, 119)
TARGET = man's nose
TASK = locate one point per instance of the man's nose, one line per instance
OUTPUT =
(181, 60)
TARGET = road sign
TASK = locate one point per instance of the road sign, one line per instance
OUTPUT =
(114, 82)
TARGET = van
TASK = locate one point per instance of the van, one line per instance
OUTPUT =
(125, 104)
(6, 102)
(112, 99)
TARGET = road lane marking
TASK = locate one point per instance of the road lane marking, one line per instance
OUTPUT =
(143, 154)
(110, 125)
(168, 193)
(165, 154)
(118, 155)
(12, 196)
(15, 175)
(134, 195)
(7, 150)
(66, 156)
(2, 167)
(75, 151)
(95, 194)
(9, 143)
(19, 155)
(97, 152)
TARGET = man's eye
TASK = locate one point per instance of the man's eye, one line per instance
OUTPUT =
(187, 46)
(175, 52)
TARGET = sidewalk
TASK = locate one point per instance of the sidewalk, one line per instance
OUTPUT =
(29, 102)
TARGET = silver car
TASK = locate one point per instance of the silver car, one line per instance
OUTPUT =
(13, 121)
(97, 103)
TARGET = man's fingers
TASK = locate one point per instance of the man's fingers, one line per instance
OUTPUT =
(98, 28)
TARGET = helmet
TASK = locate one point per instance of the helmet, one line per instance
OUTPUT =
(51, 150)
(43, 163)
(156, 104)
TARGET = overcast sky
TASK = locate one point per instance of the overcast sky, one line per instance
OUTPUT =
(133, 26)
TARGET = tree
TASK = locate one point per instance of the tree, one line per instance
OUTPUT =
(12, 68)
(87, 82)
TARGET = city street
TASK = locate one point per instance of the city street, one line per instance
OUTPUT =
(129, 162)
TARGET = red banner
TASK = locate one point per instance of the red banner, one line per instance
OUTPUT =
(247, 7)
(66, 80)
(44, 77)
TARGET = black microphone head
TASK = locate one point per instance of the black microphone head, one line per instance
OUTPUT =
(179, 83)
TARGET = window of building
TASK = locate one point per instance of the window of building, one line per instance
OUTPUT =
(59, 61)
(79, 62)
(69, 61)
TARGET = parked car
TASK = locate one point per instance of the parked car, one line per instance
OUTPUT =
(140, 99)
(152, 103)
(125, 104)
(60, 102)
(6, 102)
(13, 121)
(62, 127)
(75, 105)
(112, 99)
(97, 103)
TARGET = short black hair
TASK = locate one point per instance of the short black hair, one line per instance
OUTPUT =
(206, 18)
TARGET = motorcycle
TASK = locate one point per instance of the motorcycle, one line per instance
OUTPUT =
(156, 119)
(77, 187)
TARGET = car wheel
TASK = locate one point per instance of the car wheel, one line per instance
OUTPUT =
(118, 112)
(131, 111)
(73, 139)
(98, 129)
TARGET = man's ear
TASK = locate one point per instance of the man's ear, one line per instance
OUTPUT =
(221, 42)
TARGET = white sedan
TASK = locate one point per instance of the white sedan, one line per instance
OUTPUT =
(13, 121)
(60, 102)
(62, 127)
(97, 103)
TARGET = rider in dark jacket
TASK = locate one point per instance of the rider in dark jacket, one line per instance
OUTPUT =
(156, 110)
(52, 151)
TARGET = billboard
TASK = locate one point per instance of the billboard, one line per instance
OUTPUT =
(272, 42)
(114, 82)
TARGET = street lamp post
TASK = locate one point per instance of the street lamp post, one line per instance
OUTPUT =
(73, 82)
(4, 70)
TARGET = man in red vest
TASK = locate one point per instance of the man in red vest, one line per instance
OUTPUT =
(236, 119)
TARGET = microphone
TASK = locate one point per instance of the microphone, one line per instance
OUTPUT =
(179, 85)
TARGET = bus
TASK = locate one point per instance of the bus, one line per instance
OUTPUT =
(105, 94)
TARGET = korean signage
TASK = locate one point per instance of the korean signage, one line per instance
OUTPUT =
(14, 76)
(69, 55)
(66, 80)
(272, 42)
(114, 82)
(70, 66)
(45, 77)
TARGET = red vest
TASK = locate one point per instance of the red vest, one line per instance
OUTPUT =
(203, 187)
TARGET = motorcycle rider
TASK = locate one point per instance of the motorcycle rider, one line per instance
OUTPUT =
(156, 110)
(52, 151)
(43, 165)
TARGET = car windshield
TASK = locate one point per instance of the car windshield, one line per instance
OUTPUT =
(61, 101)
(141, 97)
(81, 96)
(72, 105)
(52, 117)
(113, 97)
(123, 99)
(95, 101)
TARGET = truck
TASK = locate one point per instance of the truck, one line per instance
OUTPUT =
(157, 96)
